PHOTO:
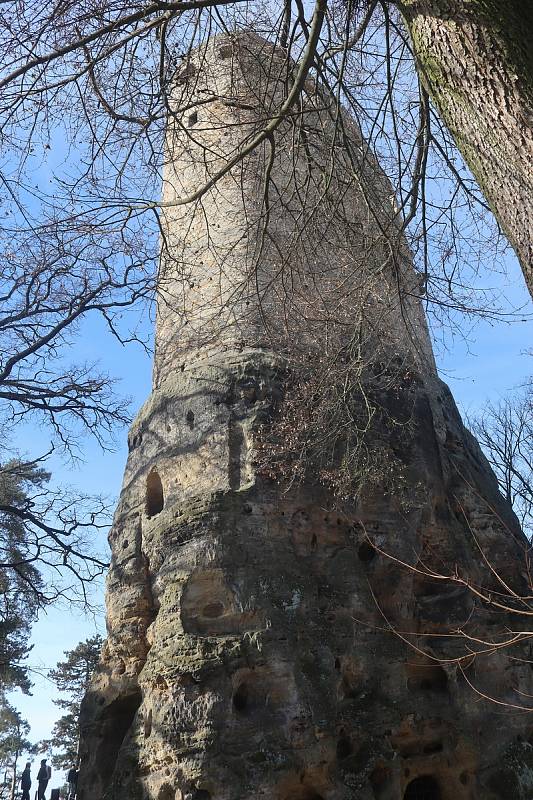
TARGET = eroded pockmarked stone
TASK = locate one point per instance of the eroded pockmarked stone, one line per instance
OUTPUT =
(264, 641)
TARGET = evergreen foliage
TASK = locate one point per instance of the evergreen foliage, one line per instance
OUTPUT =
(21, 581)
(13, 741)
(71, 677)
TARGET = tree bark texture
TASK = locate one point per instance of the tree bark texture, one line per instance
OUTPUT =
(475, 58)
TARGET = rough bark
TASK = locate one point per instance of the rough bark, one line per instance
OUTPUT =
(475, 59)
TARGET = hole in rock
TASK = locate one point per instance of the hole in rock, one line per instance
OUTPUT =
(423, 788)
(366, 552)
(134, 441)
(426, 677)
(380, 780)
(193, 119)
(241, 700)
(190, 419)
(154, 494)
(116, 720)
(125, 544)
(225, 51)
(166, 792)
(337, 663)
(313, 541)
(209, 607)
(213, 610)
(344, 746)
(433, 747)
(463, 777)
(254, 690)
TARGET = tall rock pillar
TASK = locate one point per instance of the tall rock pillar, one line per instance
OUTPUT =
(265, 640)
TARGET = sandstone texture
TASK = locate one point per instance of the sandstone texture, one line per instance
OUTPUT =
(266, 641)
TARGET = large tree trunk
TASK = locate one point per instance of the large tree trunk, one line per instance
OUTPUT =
(475, 57)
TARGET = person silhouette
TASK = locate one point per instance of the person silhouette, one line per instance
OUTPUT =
(43, 776)
(25, 782)
(72, 780)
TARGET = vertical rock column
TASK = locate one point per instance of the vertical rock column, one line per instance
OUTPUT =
(262, 644)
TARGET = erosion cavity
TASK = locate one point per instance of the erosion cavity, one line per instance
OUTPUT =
(426, 676)
(250, 692)
(155, 499)
(423, 788)
(209, 606)
(117, 718)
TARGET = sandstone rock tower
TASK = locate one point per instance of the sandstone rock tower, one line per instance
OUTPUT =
(265, 642)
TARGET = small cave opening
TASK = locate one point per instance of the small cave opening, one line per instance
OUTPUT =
(433, 747)
(426, 677)
(424, 787)
(380, 779)
(225, 51)
(251, 690)
(213, 610)
(366, 552)
(241, 699)
(344, 746)
(155, 499)
(192, 120)
(116, 721)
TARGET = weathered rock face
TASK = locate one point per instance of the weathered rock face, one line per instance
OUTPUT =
(266, 643)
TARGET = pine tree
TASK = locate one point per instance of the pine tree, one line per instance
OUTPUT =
(13, 741)
(71, 677)
(21, 582)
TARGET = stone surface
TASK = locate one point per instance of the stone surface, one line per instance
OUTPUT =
(265, 642)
